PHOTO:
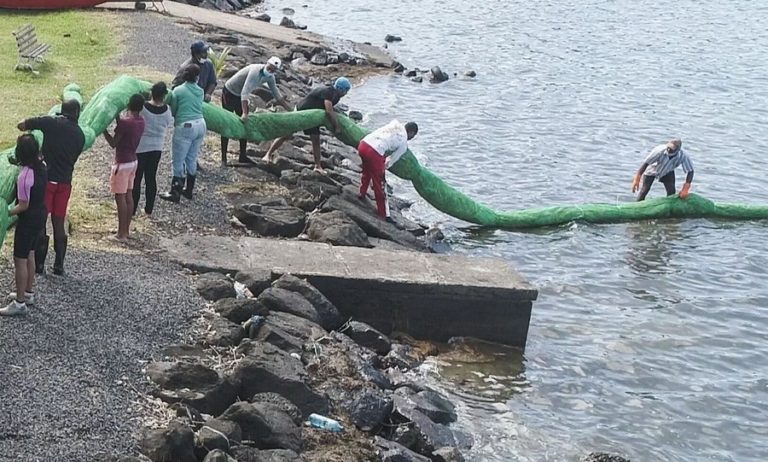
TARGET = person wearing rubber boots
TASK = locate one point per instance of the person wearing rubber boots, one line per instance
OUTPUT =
(661, 164)
(63, 142)
(234, 97)
(378, 151)
(323, 97)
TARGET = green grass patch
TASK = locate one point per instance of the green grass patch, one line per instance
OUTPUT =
(82, 43)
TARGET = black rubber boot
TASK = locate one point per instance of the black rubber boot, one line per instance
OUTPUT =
(175, 193)
(41, 252)
(60, 247)
(190, 187)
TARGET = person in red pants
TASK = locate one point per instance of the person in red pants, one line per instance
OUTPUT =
(379, 151)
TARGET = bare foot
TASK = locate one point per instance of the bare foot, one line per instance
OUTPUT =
(319, 169)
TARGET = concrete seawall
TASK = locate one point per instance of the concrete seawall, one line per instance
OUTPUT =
(428, 296)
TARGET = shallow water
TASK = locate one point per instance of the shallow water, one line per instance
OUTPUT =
(648, 338)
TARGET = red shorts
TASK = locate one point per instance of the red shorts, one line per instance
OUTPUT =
(57, 198)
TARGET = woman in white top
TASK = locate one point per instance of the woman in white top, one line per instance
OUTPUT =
(157, 119)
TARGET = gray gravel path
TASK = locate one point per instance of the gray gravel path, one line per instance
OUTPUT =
(154, 41)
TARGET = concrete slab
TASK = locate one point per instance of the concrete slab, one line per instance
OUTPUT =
(256, 28)
(426, 295)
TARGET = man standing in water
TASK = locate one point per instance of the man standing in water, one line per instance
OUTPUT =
(63, 142)
(661, 164)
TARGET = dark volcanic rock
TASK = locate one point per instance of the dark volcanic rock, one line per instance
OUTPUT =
(428, 435)
(389, 451)
(266, 425)
(255, 280)
(328, 313)
(368, 337)
(447, 455)
(288, 332)
(278, 220)
(320, 58)
(248, 454)
(177, 443)
(417, 79)
(392, 38)
(281, 402)
(218, 434)
(411, 73)
(277, 299)
(223, 332)
(604, 457)
(214, 286)
(288, 22)
(336, 228)
(193, 384)
(368, 408)
(357, 116)
(403, 357)
(437, 75)
(263, 17)
(217, 455)
(267, 368)
(470, 74)
(239, 309)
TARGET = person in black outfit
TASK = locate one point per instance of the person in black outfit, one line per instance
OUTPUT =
(63, 143)
(32, 214)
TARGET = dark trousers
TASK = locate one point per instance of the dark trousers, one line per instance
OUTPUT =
(667, 180)
(231, 103)
(147, 170)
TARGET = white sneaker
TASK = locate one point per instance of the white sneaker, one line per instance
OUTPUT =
(29, 297)
(14, 309)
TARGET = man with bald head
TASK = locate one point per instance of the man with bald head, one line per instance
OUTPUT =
(661, 164)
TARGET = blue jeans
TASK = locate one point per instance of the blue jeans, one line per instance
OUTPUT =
(187, 140)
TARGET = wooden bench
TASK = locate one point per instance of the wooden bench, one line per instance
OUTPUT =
(30, 50)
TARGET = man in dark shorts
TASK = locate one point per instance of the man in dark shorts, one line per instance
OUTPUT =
(324, 97)
(63, 142)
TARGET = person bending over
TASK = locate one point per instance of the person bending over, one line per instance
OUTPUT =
(239, 87)
(378, 151)
(63, 142)
(661, 164)
(323, 97)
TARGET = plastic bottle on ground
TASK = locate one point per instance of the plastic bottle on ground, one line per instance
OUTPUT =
(325, 423)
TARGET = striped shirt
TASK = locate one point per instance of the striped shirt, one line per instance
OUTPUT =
(660, 163)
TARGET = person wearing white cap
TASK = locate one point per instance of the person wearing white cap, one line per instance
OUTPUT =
(239, 87)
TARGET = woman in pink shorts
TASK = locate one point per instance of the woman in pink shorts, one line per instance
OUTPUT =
(128, 132)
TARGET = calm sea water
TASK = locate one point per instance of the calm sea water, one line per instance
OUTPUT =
(649, 338)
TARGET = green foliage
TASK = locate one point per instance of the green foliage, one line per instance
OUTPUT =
(219, 59)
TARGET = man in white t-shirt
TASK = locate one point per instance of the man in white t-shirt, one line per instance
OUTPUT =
(379, 151)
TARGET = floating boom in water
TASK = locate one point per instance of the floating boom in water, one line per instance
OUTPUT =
(113, 98)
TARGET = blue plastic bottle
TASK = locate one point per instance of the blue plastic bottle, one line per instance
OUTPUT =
(325, 423)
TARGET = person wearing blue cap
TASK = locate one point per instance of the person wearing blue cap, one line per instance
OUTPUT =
(207, 80)
(323, 97)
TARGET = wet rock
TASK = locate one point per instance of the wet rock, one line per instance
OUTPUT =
(288, 332)
(403, 357)
(363, 360)
(328, 313)
(266, 425)
(320, 59)
(248, 454)
(281, 402)
(428, 435)
(255, 280)
(277, 299)
(604, 457)
(400, 380)
(398, 67)
(392, 38)
(389, 451)
(333, 58)
(267, 368)
(447, 455)
(218, 434)
(437, 75)
(345, 57)
(215, 286)
(218, 455)
(283, 221)
(368, 408)
(368, 337)
(357, 116)
(288, 11)
(263, 17)
(239, 310)
(223, 332)
(428, 402)
(177, 443)
(411, 73)
(470, 74)
(418, 79)
(193, 384)
(288, 22)
(336, 228)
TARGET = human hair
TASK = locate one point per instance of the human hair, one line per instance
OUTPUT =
(71, 109)
(159, 91)
(136, 103)
(27, 151)
(191, 73)
(412, 127)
